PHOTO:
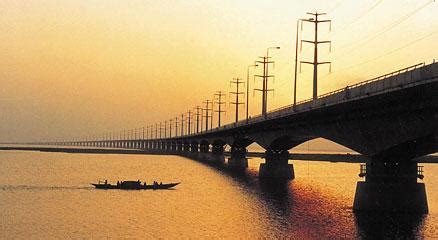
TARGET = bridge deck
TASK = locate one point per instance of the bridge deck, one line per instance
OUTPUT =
(404, 78)
(321, 157)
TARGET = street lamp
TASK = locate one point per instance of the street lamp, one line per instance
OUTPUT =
(247, 90)
(296, 58)
(267, 50)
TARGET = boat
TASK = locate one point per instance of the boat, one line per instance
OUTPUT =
(133, 185)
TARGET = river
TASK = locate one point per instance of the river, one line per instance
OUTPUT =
(48, 195)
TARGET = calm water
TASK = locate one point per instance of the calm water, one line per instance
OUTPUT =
(47, 195)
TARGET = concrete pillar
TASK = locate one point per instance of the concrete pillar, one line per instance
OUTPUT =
(238, 160)
(218, 153)
(391, 186)
(179, 147)
(194, 147)
(276, 165)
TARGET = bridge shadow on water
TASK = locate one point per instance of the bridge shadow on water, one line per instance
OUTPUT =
(298, 209)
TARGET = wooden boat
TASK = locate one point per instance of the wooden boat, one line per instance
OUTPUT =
(133, 185)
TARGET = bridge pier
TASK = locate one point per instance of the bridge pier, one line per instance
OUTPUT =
(391, 186)
(238, 160)
(217, 151)
(276, 165)
(204, 148)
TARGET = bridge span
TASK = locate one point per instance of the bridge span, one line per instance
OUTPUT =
(391, 120)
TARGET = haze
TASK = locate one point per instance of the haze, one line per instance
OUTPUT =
(79, 68)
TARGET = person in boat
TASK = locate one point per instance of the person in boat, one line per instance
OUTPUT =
(106, 182)
(118, 183)
(161, 183)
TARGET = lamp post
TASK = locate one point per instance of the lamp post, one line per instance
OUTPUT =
(296, 60)
(247, 91)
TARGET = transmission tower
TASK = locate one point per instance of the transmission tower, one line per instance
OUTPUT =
(170, 127)
(237, 81)
(176, 126)
(189, 118)
(198, 114)
(265, 77)
(219, 95)
(206, 109)
(182, 124)
(315, 62)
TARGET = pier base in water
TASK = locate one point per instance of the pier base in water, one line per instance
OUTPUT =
(390, 197)
(276, 165)
(280, 171)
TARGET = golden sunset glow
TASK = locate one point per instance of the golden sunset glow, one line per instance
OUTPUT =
(71, 68)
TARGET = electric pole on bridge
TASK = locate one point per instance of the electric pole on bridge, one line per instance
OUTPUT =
(212, 113)
(176, 126)
(165, 129)
(265, 78)
(189, 118)
(156, 130)
(219, 95)
(237, 81)
(170, 127)
(315, 62)
(182, 124)
(198, 108)
(206, 109)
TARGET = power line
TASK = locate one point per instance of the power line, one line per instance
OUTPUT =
(388, 53)
(377, 3)
(384, 30)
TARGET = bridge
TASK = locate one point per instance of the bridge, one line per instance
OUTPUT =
(390, 119)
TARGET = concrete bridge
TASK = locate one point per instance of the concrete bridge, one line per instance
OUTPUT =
(390, 119)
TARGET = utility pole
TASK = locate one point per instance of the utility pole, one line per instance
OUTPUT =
(247, 90)
(161, 130)
(315, 62)
(143, 133)
(170, 128)
(165, 129)
(265, 77)
(198, 108)
(237, 81)
(156, 130)
(206, 109)
(176, 126)
(182, 124)
(219, 95)
(189, 118)
(212, 113)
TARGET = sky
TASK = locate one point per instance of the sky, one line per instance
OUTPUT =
(70, 69)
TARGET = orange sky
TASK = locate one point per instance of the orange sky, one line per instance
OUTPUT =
(76, 68)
